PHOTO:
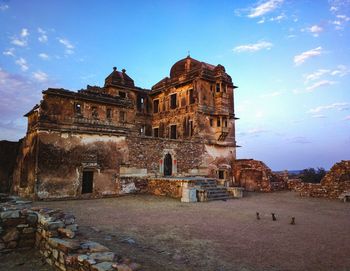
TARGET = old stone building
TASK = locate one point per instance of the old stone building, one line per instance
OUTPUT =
(104, 140)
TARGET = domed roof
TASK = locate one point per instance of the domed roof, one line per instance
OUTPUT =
(119, 78)
(184, 65)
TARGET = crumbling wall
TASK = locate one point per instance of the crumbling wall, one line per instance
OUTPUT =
(54, 233)
(63, 158)
(254, 175)
(24, 174)
(8, 156)
(333, 184)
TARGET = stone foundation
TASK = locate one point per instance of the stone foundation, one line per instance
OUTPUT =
(54, 233)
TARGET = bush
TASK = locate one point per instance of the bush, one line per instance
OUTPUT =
(310, 175)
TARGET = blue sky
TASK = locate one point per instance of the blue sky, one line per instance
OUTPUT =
(290, 59)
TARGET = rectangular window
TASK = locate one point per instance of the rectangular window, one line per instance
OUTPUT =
(217, 87)
(221, 174)
(191, 96)
(122, 116)
(77, 108)
(94, 112)
(122, 94)
(218, 122)
(173, 131)
(155, 106)
(225, 122)
(211, 122)
(173, 101)
(109, 113)
(156, 132)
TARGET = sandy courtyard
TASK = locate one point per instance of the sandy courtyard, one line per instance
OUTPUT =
(165, 234)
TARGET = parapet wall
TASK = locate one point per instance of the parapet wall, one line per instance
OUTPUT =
(55, 234)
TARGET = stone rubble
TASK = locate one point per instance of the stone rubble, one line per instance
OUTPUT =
(55, 234)
(335, 183)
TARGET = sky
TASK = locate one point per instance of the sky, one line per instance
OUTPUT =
(290, 60)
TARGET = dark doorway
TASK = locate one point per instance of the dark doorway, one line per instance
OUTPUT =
(88, 177)
(168, 165)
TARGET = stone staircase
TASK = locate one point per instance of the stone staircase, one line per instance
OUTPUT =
(208, 190)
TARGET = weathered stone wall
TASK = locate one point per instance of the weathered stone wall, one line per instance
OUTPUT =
(24, 174)
(333, 184)
(8, 156)
(54, 233)
(254, 175)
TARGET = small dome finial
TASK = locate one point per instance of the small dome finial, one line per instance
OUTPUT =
(123, 70)
(114, 68)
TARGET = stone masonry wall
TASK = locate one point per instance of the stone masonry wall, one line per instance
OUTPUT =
(333, 184)
(54, 233)
(254, 175)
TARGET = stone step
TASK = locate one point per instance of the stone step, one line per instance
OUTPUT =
(220, 198)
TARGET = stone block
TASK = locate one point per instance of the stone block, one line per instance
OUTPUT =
(122, 267)
(65, 245)
(93, 247)
(26, 243)
(28, 230)
(189, 194)
(104, 266)
(66, 233)
(107, 256)
(10, 214)
(11, 235)
(32, 219)
(72, 227)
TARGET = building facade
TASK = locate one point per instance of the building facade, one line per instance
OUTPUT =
(87, 143)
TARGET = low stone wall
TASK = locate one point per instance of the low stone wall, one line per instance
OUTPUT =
(54, 233)
(336, 182)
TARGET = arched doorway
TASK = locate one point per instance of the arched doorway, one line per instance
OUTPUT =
(168, 165)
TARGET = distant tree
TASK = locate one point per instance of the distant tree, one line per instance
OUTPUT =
(311, 175)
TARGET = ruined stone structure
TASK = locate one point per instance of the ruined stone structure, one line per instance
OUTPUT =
(254, 175)
(335, 183)
(95, 141)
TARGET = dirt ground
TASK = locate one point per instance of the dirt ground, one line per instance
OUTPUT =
(165, 234)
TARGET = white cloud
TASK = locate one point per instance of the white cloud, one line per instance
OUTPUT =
(44, 56)
(334, 106)
(299, 59)
(341, 71)
(315, 30)
(40, 76)
(66, 43)
(321, 83)
(69, 46)
(263, 8)
(21, 41)
(3, 7)
(43, 37)
(253, 47)
(316, 75)
(278, 18)
(9, 52)
(24, 33)
(22, 63)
